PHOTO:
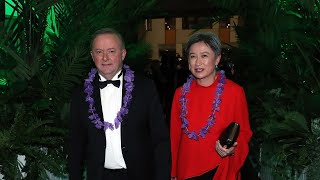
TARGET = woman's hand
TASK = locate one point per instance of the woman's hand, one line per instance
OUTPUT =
(173, 178)
(223, 151)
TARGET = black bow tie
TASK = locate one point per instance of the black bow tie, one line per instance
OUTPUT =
(103, 84)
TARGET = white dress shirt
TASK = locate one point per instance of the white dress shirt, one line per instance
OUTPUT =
(111, 99)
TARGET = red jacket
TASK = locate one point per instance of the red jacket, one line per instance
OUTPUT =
(192, 158)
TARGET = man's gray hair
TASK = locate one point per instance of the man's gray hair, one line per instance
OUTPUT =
(107, 31)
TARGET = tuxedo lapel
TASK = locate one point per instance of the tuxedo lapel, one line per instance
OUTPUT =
(97, 98)
(124, 119)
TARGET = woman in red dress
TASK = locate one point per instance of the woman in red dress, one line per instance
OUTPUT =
(201, 109)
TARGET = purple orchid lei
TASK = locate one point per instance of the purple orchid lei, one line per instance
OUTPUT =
(215, 107)
(93, 116)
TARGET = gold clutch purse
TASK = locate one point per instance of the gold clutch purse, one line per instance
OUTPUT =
(229, 136)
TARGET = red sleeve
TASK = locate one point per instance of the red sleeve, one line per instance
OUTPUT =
(230, 166)
(175, 131)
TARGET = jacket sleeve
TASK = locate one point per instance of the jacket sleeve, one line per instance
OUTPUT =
(175, 132)
(160, 137)
(77, 139)
(230, 166)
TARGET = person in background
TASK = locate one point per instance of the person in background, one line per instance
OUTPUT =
(201, 110)
(117, 126)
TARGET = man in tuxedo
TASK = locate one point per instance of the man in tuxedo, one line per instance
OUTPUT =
(118, 130)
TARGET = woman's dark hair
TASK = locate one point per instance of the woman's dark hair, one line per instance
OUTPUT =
(209, 38)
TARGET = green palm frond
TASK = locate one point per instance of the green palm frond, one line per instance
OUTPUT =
(292, 124)
(43, 63)
(280, 39)
(67, 73)
(18, 45)
(27, 136)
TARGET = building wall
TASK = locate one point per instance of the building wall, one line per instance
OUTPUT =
(157, 36)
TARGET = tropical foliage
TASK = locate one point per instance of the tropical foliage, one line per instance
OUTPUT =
(44, 53)
(277, 61)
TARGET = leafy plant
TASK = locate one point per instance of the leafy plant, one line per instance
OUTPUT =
(277, 61)
(44, 54)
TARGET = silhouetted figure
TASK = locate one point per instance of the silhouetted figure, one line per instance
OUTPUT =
(168, 69)
(181, 72)
(153, 71)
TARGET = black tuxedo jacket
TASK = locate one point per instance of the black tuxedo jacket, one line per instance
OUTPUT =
(144, 136)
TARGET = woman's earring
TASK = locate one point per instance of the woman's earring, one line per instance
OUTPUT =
(217, 68)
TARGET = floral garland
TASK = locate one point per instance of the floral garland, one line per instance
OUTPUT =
(93, 116)
(215, 107)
